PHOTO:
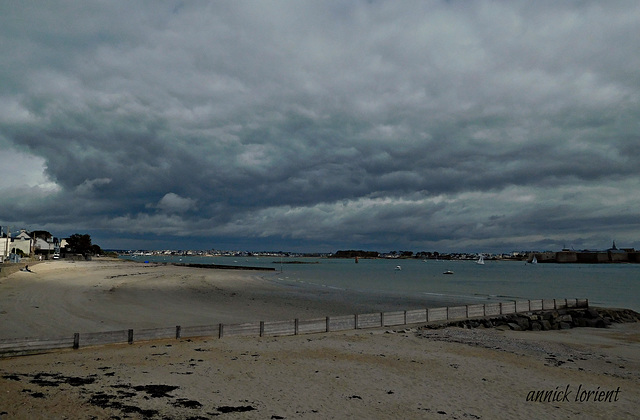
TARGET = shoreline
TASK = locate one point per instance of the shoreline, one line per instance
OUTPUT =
(60, 298)
(386, 372)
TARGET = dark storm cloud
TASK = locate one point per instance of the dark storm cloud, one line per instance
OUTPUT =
(418, 125)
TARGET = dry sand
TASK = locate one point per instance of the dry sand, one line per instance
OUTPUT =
(377, 373)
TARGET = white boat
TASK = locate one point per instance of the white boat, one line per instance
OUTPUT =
(480, 260)
(448, 272)
(398, 268)
(534, 260)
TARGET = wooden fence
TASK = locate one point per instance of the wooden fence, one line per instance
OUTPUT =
(20, 346)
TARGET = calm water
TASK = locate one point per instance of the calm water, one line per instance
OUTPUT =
(612, 285)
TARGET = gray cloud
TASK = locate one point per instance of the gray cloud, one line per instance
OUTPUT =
(173, 203)
(419, 125)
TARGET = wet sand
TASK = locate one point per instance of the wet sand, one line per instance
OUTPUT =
(59, 298)
(379, 373)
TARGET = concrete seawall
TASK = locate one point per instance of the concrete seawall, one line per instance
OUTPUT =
(586, 257)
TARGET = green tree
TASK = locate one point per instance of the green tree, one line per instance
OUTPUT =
(19, 252)
(80, 244)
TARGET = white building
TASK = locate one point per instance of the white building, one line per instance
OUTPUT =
(4, 247)
(21, 241)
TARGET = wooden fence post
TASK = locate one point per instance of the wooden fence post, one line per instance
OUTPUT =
(341, 321)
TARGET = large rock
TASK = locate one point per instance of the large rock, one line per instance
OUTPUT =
(523, 322)
(549, 320)
(565, 318)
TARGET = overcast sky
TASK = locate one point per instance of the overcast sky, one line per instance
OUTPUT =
(382, 125)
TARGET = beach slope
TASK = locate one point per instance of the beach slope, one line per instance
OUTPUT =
(380, 373)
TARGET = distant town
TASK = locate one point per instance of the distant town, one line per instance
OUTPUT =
(42, 245)
(337, 254)
(352, 254)
(611, 255)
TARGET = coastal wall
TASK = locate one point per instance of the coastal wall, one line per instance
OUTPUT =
(544, 257)
(593, 257)
(598, 257)
(565, 257)
(618, 256)
(21, 346)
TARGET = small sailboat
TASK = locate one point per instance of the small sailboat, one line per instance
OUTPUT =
(480, 260)
(534, 260)
(398, 268)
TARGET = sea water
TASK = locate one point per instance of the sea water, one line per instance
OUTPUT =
(609, 285)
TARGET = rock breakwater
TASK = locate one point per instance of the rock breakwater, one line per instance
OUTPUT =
(558, 319)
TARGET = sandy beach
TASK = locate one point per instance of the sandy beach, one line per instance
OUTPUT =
(380, 373)
(59, 298)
